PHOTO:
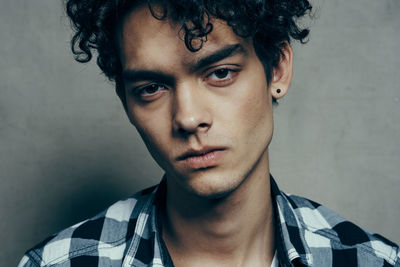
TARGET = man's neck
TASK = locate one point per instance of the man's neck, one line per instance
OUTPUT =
(235, 230)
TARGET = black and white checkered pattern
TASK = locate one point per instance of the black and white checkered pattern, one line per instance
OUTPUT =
(127, 234)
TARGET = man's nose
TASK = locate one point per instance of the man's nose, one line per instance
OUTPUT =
(191, 110)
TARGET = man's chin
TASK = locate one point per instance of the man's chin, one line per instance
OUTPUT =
(212, 183)
(212, 195)
(212, 187)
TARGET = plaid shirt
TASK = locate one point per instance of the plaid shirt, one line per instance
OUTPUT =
(128, 234)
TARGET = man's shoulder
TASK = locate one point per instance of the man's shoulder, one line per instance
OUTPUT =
(323, 228)
(104, 237)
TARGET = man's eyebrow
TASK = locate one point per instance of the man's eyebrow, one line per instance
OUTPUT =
(132, 76)
(220, 54)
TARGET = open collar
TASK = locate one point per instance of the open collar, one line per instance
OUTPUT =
(148, 248)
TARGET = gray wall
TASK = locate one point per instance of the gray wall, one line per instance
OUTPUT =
(67, 150)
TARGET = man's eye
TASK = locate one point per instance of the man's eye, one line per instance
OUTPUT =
(221, 77)
(148, 92)
(150, 89)
(221, 73)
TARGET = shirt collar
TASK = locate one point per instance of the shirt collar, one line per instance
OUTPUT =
(291, 246)
(148, 247)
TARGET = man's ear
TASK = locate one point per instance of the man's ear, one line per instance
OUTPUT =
(120, 90)
(282, 74)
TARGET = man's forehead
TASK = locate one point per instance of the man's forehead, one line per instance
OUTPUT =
(144, 38)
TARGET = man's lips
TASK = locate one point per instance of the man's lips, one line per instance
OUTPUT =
(203, 158)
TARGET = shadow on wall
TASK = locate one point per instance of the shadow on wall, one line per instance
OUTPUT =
(81, 182)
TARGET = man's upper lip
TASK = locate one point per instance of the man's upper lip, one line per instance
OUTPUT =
(198, 152)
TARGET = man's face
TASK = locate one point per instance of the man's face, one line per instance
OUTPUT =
(206, 117)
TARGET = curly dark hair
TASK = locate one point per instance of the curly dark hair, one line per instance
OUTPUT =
(268, 22)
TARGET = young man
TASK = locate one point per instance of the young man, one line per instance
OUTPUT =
(198, 81)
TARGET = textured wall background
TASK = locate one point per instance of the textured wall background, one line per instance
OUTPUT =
(67, 150)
